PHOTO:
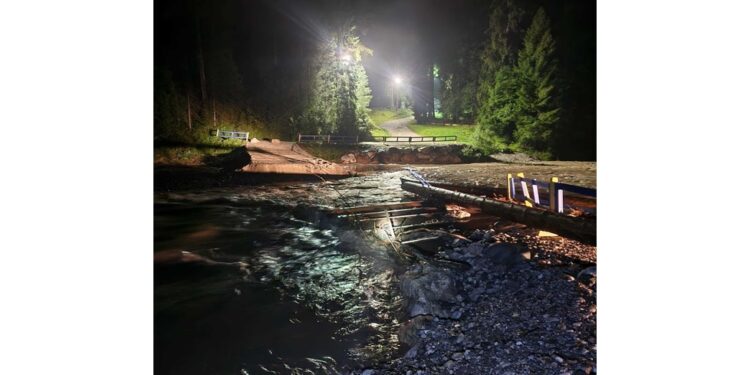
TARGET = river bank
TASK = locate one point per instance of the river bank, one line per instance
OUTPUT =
(525, 305)
(498, 299)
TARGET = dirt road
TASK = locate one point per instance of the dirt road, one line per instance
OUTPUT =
(398, 127)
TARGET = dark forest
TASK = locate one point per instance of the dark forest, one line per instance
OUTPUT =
(524, 71)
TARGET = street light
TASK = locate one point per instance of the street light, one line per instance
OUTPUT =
(395, 99)
(346, 58)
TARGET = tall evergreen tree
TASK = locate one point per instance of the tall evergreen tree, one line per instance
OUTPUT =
(341, 93)
(504, 36)
(496, 121)
(537, 96)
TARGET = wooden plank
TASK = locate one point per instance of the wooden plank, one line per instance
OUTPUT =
(391, 217)
(380, 207)
(422, 225)
(418, 240)
(390, 212)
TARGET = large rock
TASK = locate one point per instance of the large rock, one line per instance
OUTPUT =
(588, 276)
(429, 290)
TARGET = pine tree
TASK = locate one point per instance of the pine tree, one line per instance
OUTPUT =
(341, 93)
(537, 97)
(497, 83)
(504, 39)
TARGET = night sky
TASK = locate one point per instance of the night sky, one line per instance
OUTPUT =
(270, 35)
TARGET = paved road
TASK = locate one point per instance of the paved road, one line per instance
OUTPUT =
(398, 127)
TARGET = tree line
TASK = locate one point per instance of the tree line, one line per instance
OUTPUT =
(523, 71)
(527, 78)
(253, 66)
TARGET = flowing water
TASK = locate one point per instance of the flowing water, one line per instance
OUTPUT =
(253, 281)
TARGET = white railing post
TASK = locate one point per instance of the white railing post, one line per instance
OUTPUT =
(553, 194)
(526, 196)
(511, 187)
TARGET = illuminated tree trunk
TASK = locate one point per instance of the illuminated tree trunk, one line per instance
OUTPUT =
(189, 113)
(201, 63)
(214, 109)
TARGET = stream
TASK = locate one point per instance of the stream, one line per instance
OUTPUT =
(264, 286)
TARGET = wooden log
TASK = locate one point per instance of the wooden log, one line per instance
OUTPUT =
(578, 228)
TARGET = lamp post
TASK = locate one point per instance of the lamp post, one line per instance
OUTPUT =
(395, 99)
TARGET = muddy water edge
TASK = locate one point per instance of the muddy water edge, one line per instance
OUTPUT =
(251, 279)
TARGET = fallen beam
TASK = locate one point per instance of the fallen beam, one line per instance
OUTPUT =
(374, 208)
(577, 228)
(423, 214)
(386, 213)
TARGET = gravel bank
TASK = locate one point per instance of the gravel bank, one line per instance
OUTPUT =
(521, 304)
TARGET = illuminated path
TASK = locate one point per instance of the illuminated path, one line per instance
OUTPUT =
(398, 127)
(287, 158)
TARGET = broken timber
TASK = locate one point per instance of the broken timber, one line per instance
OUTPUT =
(577, 228)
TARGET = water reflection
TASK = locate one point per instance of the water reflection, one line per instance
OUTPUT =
(265, 289)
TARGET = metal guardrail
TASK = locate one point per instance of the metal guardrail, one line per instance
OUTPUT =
(231, 134)
(345, 139)
(554, 188)
(440, 138)
(335, 139)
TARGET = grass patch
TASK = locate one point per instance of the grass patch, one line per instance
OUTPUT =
(378, 132)
(463, 133)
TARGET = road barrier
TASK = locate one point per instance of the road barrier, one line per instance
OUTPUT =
(335, 139)
(555, 189)
(440, 138)
(346, 139)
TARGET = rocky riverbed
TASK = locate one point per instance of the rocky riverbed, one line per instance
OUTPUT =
(499, 302)
(503, 299)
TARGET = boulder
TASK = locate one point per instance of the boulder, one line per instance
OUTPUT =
(430, 291)
(588, 276)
